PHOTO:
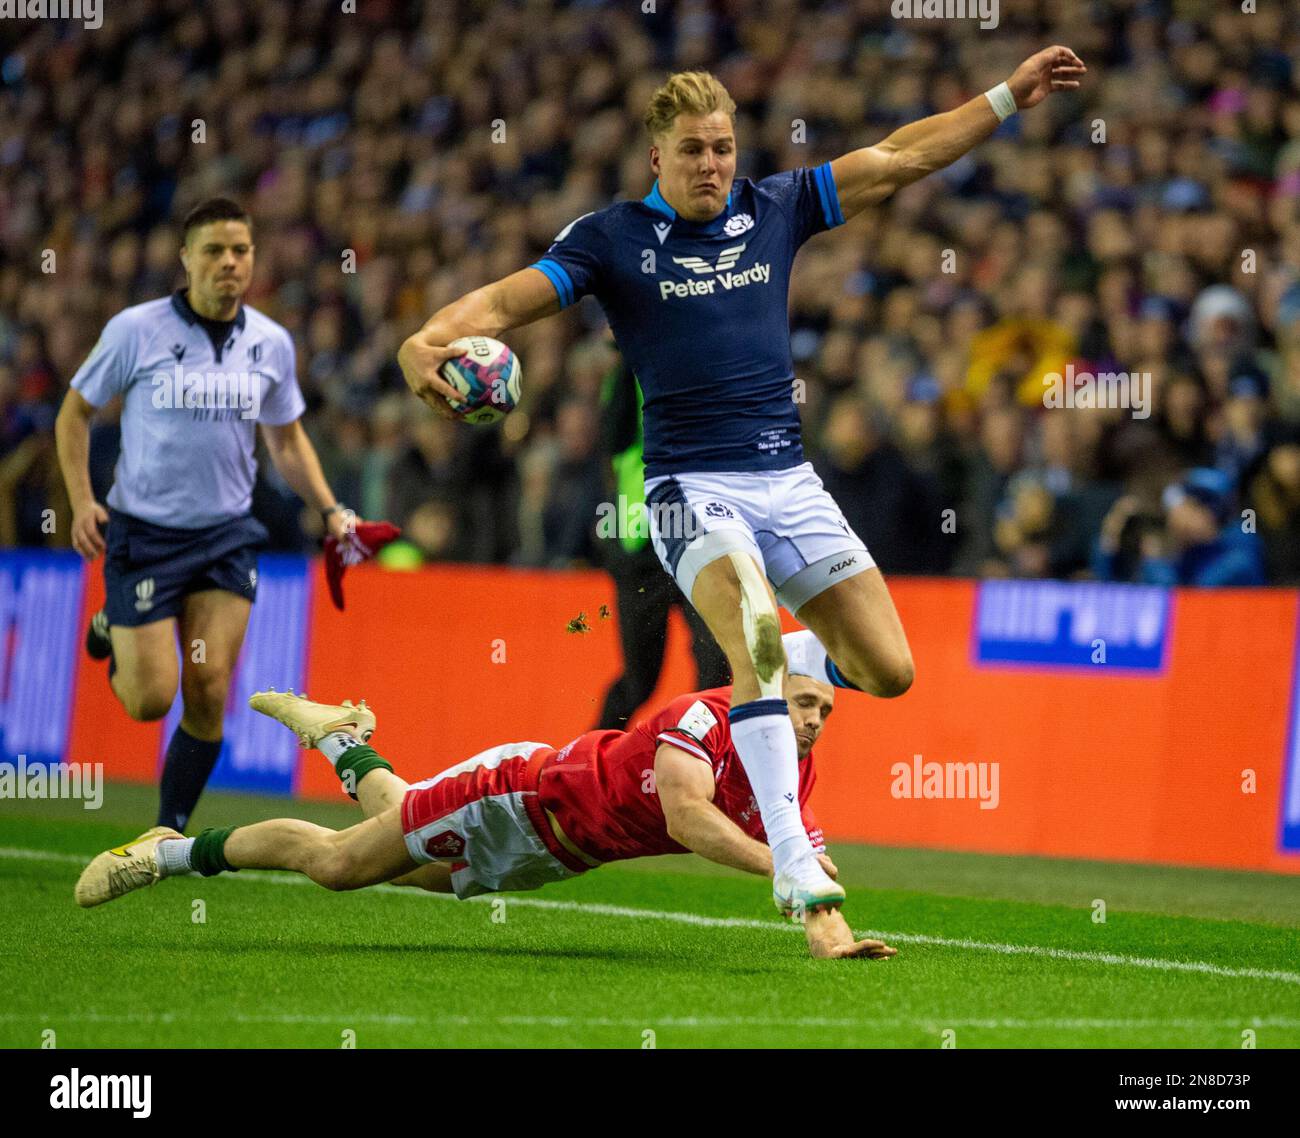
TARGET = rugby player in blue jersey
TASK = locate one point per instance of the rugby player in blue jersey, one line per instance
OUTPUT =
(694, 282)
(197, 372)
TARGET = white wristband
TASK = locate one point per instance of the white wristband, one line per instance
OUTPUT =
(1002, 101)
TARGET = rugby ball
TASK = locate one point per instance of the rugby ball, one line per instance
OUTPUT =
(487, 375)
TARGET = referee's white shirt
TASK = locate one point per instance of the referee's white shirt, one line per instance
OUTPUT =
(190, 408)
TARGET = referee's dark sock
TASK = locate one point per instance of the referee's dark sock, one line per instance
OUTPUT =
(186, 768)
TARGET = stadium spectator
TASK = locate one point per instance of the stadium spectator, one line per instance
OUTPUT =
(577, 487)
(1274, 495)
(1244, 414)
(879, 492)
(996, 461)
(366, 145)
(1197, 542)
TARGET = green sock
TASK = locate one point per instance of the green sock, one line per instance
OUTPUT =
(357, 762)
(208, 856)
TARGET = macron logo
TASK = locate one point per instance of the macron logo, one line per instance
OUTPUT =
(661, 231)
(75, 1091)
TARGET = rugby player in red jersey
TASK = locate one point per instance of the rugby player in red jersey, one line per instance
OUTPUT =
(519, 815)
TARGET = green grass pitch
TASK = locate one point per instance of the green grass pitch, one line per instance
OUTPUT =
(1001, 952)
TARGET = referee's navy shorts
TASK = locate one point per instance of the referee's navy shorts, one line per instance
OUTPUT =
(149, 569)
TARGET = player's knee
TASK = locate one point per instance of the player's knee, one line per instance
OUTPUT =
(147, 704)
(887, 678)
(764, 654)
(897, 677)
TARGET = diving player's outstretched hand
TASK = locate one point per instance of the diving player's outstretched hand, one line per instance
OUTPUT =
(830, 938)
(86, 537)
(870, 949)
(1052, 69)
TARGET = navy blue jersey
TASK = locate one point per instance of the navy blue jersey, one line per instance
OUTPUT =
(701, 314)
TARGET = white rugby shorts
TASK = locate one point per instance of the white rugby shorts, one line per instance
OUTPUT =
(483, 817)
(784, 519)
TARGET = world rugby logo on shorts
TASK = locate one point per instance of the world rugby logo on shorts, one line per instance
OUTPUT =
(252, 580)
(718, 510)
(144, 595)
(447, 844)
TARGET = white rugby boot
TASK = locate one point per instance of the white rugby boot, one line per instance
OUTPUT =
(122, 869)
(311, 721)
(804, 887)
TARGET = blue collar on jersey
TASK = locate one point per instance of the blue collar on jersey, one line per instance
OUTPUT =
(655, 200)
(181, 304)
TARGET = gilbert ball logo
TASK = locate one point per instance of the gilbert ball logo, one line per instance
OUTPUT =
(144, 595)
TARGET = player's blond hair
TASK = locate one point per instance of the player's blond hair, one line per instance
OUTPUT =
(686, 93)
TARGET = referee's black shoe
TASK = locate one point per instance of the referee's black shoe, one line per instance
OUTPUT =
(99, 645)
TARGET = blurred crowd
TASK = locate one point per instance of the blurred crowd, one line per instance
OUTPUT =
(397, 157)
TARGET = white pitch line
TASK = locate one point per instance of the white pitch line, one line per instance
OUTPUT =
(932, 1023)
(603, 910)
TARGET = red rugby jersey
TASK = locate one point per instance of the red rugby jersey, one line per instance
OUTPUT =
(601, 787)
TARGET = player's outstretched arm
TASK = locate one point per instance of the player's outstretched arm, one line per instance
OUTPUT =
(685, 787)
(868, 176)
(492, 310)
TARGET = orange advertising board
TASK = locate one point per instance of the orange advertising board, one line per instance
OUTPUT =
(1184, 763)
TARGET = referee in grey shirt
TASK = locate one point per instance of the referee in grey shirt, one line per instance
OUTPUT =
(197, 371)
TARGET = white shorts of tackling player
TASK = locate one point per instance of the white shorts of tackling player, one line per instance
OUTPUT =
(784, 519)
